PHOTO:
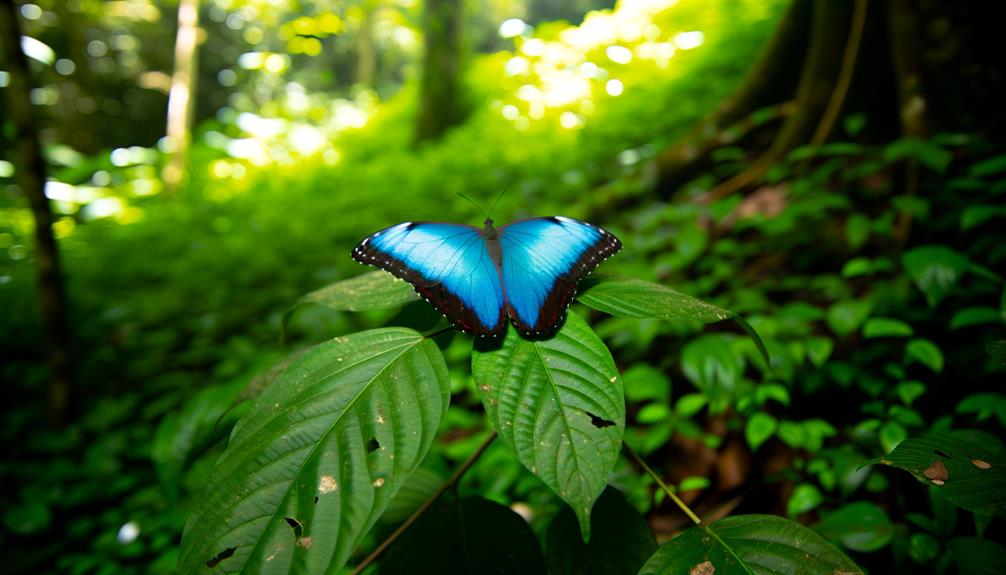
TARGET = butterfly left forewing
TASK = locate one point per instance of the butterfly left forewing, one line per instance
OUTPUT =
(543, 260)
(449, 266)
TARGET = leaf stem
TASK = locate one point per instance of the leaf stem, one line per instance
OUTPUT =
(667, 489)
(451, 483)
(688, 511)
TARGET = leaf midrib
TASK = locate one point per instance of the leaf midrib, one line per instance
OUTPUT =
(321, 439)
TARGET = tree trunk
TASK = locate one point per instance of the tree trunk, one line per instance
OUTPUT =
(772, 80)
(366, 54)
(440, 99)
(31, 177)
(181, 98)
(831, 34)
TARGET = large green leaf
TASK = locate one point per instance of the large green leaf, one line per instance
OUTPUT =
(746, 544)
(313, 463)
(471, 535)
(966, 474)
(620, 543)
(559, 404)
(372, 290)
(630, 297)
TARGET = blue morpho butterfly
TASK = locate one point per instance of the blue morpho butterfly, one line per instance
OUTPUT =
(527, 270)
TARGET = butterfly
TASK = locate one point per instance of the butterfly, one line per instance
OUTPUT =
(526, 271)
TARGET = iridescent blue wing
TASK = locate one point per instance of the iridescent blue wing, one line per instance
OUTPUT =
(448, 264)
(543, 259)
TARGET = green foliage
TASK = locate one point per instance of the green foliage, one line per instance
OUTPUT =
(966, 474)
(559, 404)
(466, 536)
(872, 272)
(312, 465)
(739, 545)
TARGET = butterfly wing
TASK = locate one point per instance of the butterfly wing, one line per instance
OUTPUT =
(543, 259)
(448, 264)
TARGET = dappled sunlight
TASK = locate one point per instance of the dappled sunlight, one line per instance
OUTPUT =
(561, 71)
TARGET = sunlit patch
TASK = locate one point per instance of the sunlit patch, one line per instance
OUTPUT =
(512, 28)
(688, 40)
(510, 112)
(614, 87)
(569, 120)
(128, 533)
(533, 47)
(516, 66)
(619, 54)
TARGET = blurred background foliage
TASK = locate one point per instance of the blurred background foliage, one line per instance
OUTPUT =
(871, 262)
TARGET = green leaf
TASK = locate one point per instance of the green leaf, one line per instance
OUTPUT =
(804, 498)
(819, 349)
(976, 556)
(909, 391)
(976, 215)
(372, 290)
(312, 465)
(845, 317)
(759, 428)
(857, 230)
(620, 544)
(935, 270)
(971, 316)
(559, 404)
(925, 152)
(861, 526)
(466, 536)
(185, 433)
(27, 518)
(886, 327)
(630, 297)
(690, 404)
(997, 350)
(891, 434)
(926, 353)
(644, 382)
(414, 492)
(966, 474)
(990, 167)
(710, 362)
(746, 544)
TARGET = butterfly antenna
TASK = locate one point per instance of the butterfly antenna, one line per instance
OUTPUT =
(474, 203)
(496, 201)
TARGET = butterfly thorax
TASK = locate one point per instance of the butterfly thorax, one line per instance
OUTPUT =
(492, 238)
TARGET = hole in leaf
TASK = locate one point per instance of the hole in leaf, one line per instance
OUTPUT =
(373, 445)
(220, 557)
(315, 498)
(943, 454)
(298, 529)
(599, 422)
(981, 464)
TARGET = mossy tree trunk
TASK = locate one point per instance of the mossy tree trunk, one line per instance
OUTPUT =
(30, 176)
(441, 101)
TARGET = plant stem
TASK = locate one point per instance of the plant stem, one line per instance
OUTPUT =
(451, 483)
(688, 511)
(667, 489)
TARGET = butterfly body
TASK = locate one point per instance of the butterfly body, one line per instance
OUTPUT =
(525, 271)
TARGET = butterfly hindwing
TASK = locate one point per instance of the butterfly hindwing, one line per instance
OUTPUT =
(448, 264)
(543, 259)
